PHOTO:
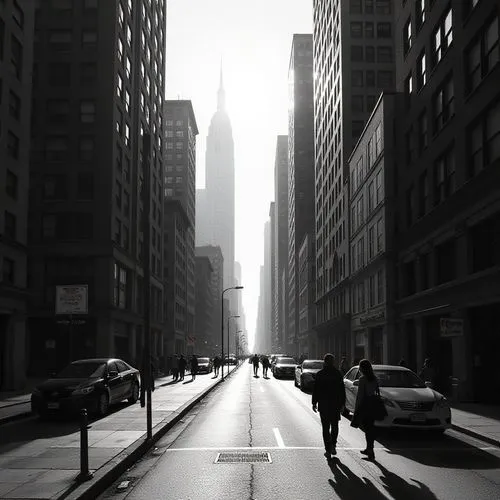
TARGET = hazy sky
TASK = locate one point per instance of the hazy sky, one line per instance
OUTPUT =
(253, 37)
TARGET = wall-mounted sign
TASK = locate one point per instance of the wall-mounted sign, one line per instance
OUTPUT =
(451, 327)
(71, 299)
(371, 318)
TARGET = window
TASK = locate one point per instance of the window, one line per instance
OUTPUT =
(422, 132)
(421, 70)
(85, 189)
(357, 103)
(126, 203)
(54, 187)
(369, 53)
(369, 30)
(16, 57)
(355, 7)
(370, 152)
(482, 55)
(356, 30)
(423, 194)
(57, 111)
(419, 13)
(379, 188)
(446, 260)
(49, 225)
(408, 87)
(380, 235)
(17, 14)
(127, 134)
(384, 30)
(10, 225)
(11, 184)
(89, 40)
(56, 148)
(87, 112)
(385, 79)
(8, 271)
(371, 196)
(407, 39)
(371, 242)
(371, 291)
(356, 53)
(14, 105)
(484, 140)
(378, 140)
(369, 6)
(444, 176)
(370, 78)
(12, 145)
(380, 286)
(410, 278)
(86, 148)
(356, 129)
(60, 74)
(118, 194)
(118, 231)
(443, 36)
(384, 54)
(444, 104)
(60, 41)
(89, 4)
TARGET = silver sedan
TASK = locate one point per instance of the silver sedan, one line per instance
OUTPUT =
(305, 373)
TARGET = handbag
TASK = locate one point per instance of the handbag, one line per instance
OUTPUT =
(373, 406)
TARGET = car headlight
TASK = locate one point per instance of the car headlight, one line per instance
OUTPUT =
(81, 391)
(388, 402)
(442, 403)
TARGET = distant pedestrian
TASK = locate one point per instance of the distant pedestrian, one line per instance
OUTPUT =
(265, 365)
(194, 366)
(364, 412)
(402, 362)
(182, 366)
(175, 368)
(329, 397)
(344, 366)
(427, 373)
(255, 362)
(216, 366)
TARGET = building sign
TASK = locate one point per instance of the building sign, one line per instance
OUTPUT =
(372, 318)
(190, 339)
(71, 299)
(451, 327)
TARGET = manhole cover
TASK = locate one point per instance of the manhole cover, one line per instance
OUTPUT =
(243, 457)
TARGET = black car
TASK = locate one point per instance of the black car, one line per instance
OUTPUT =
(204, 365)
(93, 384)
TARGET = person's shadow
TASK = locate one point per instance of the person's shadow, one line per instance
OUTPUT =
(169, 383)
(188, 381)
(256, 376)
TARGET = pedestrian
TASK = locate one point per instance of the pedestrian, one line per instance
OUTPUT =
(366, 410)
(255, 362)
(329, 398)
(344, 366)
(265, 365)
(182, 366)
(175, 368)
(194, 366)
(427, 373)
(216, 366)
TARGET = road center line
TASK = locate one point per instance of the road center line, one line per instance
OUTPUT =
(278, 437)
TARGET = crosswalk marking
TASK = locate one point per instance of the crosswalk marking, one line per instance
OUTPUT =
(278, 437)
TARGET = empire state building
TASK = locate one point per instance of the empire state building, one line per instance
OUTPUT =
(215, 204)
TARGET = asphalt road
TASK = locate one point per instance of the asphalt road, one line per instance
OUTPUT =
(247, 414)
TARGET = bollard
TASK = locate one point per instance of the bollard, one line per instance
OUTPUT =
(85, 474)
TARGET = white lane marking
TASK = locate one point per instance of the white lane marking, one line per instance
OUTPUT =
(261, 389)
(278, 437)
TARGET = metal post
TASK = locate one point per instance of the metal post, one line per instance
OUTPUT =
(228, 345)
(146, 245)
(222, 335)
(85, 474)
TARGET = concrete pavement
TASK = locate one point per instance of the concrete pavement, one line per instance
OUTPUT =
(46, 468)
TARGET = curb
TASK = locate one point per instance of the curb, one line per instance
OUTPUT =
(13, 418)
(106, 475)
(477, 435)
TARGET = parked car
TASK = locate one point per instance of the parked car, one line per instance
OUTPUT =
(204, 365)
(93, 384)
(305, 373)
(230, 360)
(408, 400)
(273, 358)
(284, 367)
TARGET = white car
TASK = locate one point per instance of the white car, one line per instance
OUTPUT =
(408, 400)
(305, 373)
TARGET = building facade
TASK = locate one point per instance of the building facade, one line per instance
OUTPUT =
(97, 96)
(16, 60)
(372, 170)
(347, 41)
(280, 271)
(180, 180)
(307, 293)
(448, 201)
(204, 308)
(300, 176)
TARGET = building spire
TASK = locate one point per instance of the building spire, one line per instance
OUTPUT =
(221, 95)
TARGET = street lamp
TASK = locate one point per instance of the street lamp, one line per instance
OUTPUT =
(229, 317)
(222, 323)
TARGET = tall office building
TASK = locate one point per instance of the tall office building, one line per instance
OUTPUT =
(347, 83)
(272, 296)
(300, 182)
(448, 201)
(203, 323)
(179, 233)
(218, 226)
(16, 59)
(98, 92)
(280, 271)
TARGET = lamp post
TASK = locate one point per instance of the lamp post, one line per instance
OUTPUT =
(222, 323)
(229, 317)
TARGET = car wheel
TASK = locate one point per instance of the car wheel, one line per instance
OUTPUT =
(302, 388)
(135, 394)
(102, 404)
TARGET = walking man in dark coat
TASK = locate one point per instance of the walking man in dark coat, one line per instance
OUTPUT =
(329, 397)
(182, 366)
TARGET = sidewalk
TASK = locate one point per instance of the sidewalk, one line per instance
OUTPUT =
(46, 468)
(476, 420)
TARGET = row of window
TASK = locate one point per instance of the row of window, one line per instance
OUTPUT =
(368, 30)
(382, 79)
(375, 285)
(370, 6)
(360, 53)
(361, 256)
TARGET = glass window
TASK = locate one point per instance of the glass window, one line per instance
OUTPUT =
(443, 36)
(87, 112)
(407, 39)
(11, 184)
(356, 30)
(384, 30)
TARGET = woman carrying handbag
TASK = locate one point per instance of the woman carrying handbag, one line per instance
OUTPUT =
(369, 406)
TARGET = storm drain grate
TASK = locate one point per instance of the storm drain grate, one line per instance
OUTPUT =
(246, 457)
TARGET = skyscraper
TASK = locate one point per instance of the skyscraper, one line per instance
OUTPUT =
(16, 58)
(219, 186)
(347, 83)
(99, 88)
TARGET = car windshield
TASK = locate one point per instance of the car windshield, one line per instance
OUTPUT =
(203, 360)
(286, 361)
(83, 370)
(398, 378)
(312, 365)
